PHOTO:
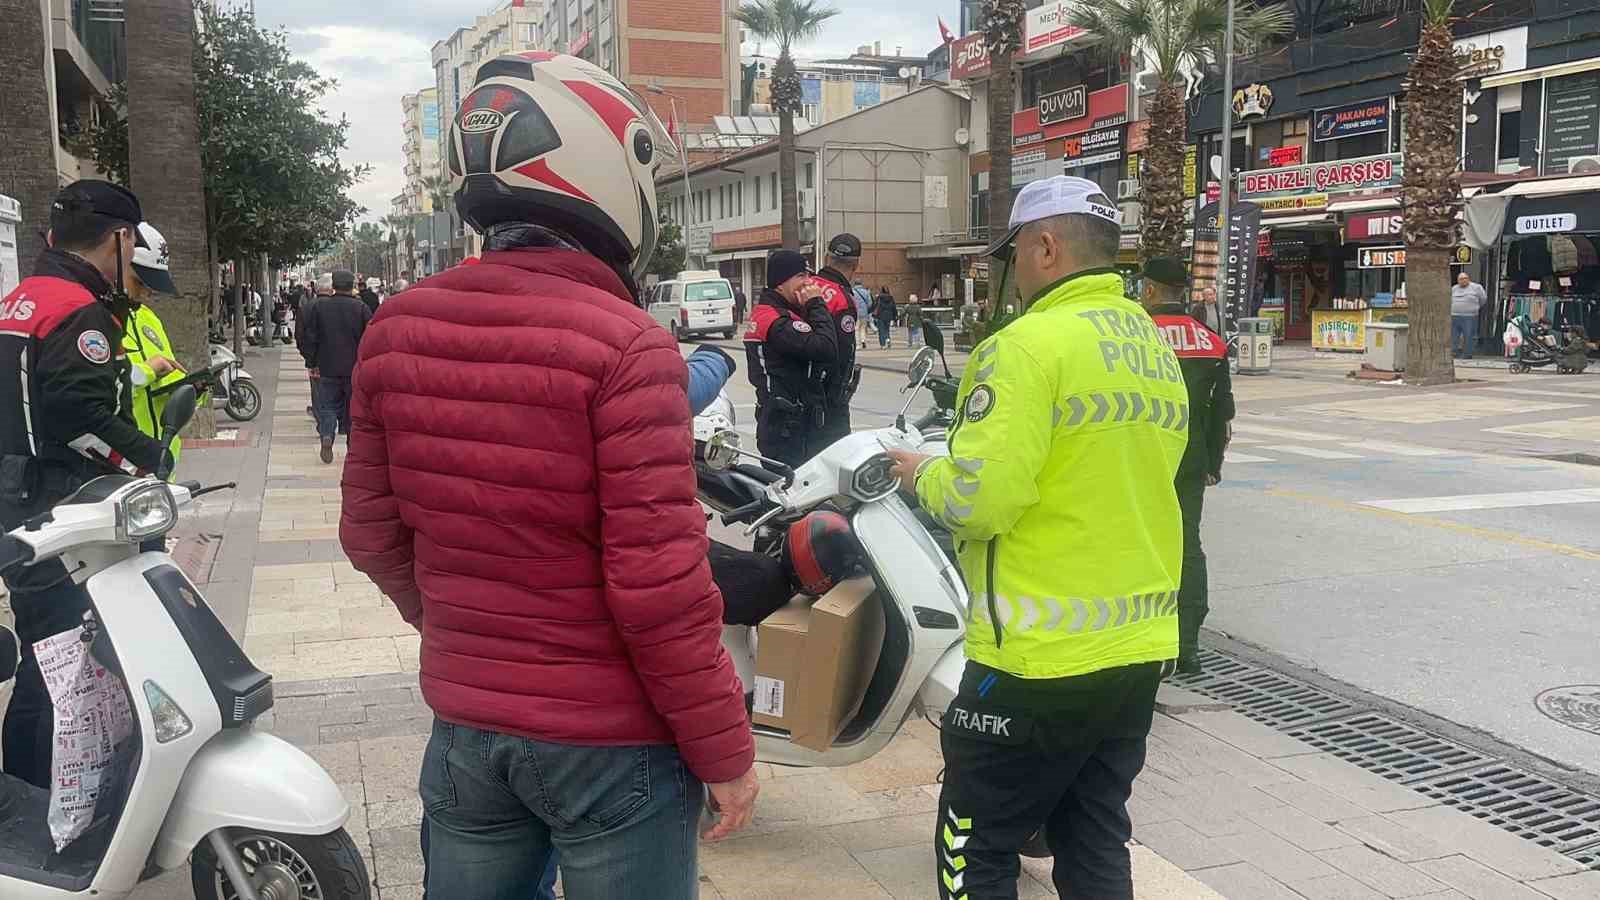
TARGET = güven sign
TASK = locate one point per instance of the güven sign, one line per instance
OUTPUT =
(1324, 177)
(1062, 106)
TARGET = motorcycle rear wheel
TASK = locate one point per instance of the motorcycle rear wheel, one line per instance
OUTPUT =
(244, 401)
(286, 867)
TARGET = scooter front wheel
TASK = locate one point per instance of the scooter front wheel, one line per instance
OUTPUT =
(286, 867)
(244, 401)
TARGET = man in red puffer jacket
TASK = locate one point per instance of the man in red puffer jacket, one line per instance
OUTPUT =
(520, 483)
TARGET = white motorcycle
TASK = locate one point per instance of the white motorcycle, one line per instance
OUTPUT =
(254, 817)
(924, 599)
(234, 386)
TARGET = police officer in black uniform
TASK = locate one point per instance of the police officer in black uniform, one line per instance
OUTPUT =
(844, 258)
(65, 418)
(791, 344)
(1203, 356)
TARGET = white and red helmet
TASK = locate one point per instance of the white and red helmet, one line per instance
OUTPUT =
(543, 138)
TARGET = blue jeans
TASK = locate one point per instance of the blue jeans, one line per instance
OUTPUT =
(883, 332)
(547, 881)
(1463, 335)
(497, 807)
(332, 397)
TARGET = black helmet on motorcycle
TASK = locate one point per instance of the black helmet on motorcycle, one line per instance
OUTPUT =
(821, 551)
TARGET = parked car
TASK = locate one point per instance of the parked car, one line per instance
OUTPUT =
(693, 303)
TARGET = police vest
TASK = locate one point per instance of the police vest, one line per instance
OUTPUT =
(1058, 486)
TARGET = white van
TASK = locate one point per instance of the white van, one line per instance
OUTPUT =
(693, 303)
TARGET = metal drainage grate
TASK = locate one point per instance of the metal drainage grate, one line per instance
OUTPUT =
(1390, 748)
(1588, 857)
(1524, 804)
(1263, 695)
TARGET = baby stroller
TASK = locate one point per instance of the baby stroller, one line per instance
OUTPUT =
(1534, 344)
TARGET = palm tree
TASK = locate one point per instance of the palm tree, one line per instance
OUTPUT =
(437, 187)
(786, 22)
(1178, 36)
(1002, 34)
(1431, 194)
(28, 165)
(164, 165)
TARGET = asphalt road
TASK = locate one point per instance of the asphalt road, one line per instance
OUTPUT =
(1466, 603)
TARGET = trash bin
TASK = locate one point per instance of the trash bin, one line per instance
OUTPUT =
(1386, 345)
(1255, 346)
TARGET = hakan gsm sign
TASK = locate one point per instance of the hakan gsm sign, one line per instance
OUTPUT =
(1324, 177)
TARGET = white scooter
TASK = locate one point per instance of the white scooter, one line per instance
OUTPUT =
(234, 386)
(924, 600)
(253, 816)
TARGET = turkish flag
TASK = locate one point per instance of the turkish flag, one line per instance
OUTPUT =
(944, 31)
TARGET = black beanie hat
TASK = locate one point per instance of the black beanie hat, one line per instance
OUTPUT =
(783, 265)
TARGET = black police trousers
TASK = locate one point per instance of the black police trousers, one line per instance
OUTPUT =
(1058, 754)
(1194, 595)
(46, 603)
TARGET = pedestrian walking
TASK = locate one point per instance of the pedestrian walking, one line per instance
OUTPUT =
(369, 294)
(789, 347)
(1203, 357)
(739, 302)
(884, 315)
(65, 419)
(1467, 299)
(839, 385)
(333, 333)
(863, 312)
(912, 316)
(1072, 542)
(314, 295)
(572, 656)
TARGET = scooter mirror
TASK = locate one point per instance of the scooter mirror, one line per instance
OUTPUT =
(179, 410)
(921, 366)
(722, 450)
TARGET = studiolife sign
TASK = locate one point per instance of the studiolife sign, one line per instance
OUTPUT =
(1243, 244)
(1365, 173)
(969, 57)
(1064, 106)
(1549, 224)
(1093, 148)
(1494, 53)
(1351, 120)
(1381, 258)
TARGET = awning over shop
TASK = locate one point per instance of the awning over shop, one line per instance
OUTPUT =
(944, 251)
(1305, 223)
(1364, 204)
(1545, 186)
(1555, 214)
(737, 254)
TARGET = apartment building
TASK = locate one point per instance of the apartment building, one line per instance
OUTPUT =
(421, 147)
(834, 88)
(675, 53)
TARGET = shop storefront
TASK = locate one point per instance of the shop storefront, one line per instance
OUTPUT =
(741, 255)
(1082, 131)
(1551, 259)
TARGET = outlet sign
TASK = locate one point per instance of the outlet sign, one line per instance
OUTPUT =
(1551, 224)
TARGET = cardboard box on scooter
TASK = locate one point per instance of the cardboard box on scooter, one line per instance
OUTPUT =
(815, 660)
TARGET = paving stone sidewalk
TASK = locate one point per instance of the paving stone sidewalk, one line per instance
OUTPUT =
(1225, 808)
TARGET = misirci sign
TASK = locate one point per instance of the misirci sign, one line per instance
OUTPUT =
(1334, 176)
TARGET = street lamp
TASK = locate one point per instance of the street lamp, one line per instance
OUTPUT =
(683, 157)
(1224, 207)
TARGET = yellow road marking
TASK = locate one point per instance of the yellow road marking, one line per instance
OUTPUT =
(1504, 537)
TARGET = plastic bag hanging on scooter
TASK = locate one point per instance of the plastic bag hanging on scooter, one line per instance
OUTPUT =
(92, 717)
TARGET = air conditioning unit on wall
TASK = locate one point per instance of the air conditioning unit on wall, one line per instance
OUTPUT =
(1583, 165)
(806, 198)
(1128, 189)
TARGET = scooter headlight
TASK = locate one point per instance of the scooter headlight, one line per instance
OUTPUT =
(146, 512)
(873, 479)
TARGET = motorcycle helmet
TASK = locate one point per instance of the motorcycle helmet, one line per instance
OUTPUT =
(821, 551)
(151, 261)
(554, 141)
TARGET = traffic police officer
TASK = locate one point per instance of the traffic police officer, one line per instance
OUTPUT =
(791, 344)
(844, 258)
(65, 418)
(151, 359)
(1203, 356)
(1058, 485)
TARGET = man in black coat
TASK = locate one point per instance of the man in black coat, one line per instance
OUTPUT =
(329, 341)
(1203, 356)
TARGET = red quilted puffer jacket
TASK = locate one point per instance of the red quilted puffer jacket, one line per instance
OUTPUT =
(520, 483)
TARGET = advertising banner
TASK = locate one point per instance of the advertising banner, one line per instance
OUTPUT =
(1092, 148)
(1242, 247)
(1108, 106)
(1382, 258)
(1374, 226)
(1049, 25)
(1062, 106)
(969, 58)
(1351, 120)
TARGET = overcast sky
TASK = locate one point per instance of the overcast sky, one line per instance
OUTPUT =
(377, 58)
